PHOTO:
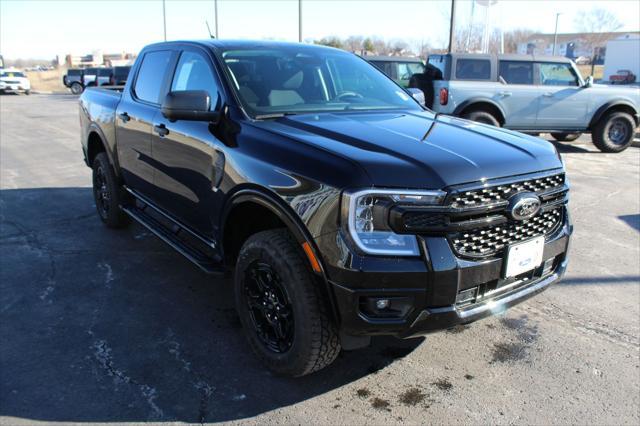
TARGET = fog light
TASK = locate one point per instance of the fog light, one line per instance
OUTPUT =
(382, 304)
(466, 297)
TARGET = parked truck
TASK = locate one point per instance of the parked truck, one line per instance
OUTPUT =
(342, 207)
(531, 94)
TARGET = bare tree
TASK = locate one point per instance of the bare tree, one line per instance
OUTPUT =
(596, 24)
(353, 44)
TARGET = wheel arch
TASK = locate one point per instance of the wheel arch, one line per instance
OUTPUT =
(614, 106)
(272, 211)
(96, 143)
(482, 104)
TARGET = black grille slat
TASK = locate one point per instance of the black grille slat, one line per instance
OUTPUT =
(501, 193)
(491, 240)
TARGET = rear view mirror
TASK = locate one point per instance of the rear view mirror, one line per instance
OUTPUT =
(417, 94)
(191, 105)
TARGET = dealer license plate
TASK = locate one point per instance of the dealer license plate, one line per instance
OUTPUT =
(523, 257)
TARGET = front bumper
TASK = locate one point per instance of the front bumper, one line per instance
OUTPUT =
(427, 288)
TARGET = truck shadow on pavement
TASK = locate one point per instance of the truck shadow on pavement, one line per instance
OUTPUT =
(111, 326)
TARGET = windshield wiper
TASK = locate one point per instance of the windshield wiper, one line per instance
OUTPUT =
(274, 115)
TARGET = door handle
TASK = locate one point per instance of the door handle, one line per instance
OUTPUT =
(547, 95)
(124, 117)
(505, 94)
(161, 130)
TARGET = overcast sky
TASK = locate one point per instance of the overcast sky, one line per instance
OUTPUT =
(44, 29)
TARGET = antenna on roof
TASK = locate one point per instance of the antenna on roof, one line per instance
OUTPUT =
(209, 29)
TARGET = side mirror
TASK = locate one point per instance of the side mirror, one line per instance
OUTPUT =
(191, 105)
(417, 94)
(588, 82)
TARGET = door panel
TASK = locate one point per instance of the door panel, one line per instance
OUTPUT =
(562, 103)
(133, 133)
(188, 160)
(519, 97)
(134, 120)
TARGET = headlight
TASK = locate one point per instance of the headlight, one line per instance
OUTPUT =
(366, 214)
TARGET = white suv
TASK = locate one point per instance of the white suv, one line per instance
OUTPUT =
(14, 81)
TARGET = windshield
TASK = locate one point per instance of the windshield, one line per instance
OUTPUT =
(300, 79)
(11, 74)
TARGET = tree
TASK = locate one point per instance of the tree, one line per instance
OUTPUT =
(596, 23)
(330, 41)
(367, 45)
(353, 44)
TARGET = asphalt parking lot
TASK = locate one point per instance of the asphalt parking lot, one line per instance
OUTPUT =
(113, 326)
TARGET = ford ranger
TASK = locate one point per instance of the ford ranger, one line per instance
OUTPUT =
(342, 207)
(531, 94)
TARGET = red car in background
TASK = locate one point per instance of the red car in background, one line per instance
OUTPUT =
(623, 77)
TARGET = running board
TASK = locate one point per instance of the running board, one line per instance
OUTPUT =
(170, 236)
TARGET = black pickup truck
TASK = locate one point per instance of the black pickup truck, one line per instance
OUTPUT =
(342, 207)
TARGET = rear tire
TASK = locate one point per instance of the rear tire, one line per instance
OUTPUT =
(281, 308)
(482, 117)
(107, 193)
(614, 132)
(27, 92)
(76, 88)
(566, 137)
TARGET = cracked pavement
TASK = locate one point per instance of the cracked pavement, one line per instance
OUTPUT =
(113, 326)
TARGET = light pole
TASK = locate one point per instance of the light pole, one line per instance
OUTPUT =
(451, 26)
(300, 21)
(215, 9)
(164, 20)
(555, 35)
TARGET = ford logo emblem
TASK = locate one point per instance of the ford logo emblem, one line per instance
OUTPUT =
(524, 205)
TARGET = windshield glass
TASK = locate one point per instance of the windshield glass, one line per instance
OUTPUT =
(12, 74)
(301, 79)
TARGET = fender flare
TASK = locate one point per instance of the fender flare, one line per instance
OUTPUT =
(94, 128)
(600, 112)
(289, 218)
(477, 100)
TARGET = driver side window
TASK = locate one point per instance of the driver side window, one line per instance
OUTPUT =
(193, 73)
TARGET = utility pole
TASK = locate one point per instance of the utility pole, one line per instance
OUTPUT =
(300, 21)
(164, 20)
(215, 9)
(451, 29)
(555, 35)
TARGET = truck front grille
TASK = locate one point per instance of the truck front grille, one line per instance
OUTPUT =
(493, 239)
(476, 221)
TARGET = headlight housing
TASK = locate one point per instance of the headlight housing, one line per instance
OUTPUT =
(366, 215)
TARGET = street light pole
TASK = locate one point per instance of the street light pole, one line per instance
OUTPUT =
(451, 29)
(300, 21)
(555, 35)
(215, 9)
(164, 20)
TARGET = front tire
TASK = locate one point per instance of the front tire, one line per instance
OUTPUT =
(281, 308)
(107, 193)
(565, 137)
(482, 117)
(614, 132)
(76, 88)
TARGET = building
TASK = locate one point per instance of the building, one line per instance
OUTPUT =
(98, 59)
(570, 45)
(623, 53)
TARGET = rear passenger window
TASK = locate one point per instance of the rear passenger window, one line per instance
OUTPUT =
(557, 75)
(193, 73)
(473, 69)
(516, 72)
(151, 76)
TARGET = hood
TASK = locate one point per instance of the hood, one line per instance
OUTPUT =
(418, 150)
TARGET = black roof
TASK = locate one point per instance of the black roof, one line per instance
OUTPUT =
(244, 44)
(392, 58)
